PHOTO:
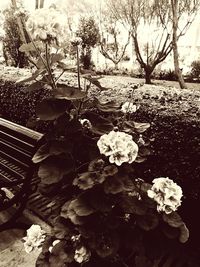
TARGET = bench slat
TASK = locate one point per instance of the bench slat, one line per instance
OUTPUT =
(18, 143)
(16, 153)
(20, 131)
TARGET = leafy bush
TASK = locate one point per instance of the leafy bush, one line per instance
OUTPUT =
(168, 75)
(88, 31)
(12, 41)
(195, 69)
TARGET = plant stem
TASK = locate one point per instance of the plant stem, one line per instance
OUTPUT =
(60, 75)
(78, 67)
(82, 101)
(49, 67)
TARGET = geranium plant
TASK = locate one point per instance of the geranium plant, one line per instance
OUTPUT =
(107, 213)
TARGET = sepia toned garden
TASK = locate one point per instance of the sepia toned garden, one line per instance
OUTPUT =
(100, 133)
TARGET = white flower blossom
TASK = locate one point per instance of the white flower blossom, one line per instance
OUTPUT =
(55, 242)
(34, 239)
(82, 255)
(86, 123)
(119, 147)
(166, 193)
(128, 107)
(47, 23)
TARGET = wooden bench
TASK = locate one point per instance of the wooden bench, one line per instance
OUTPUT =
(18, 176)
(18, 144)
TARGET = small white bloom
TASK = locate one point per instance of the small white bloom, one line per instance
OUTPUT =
(166, 193)
(82, 255)
(119, 147)
(86, 123)
(128, 107)
(75, 237)
(55, 242)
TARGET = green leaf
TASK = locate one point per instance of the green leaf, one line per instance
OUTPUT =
(40, 63)
(33, 77)
(170, 232)
(53, 169)
(30, 47)
(132, 126)
(95, 82)
(87, 73)
(140, 159)
(51, 109)
(133, 205)
(33, 87)
(41, 154)
(144, 151)
(56, 57)
(142, 260)
(148, 222)
(141, 127)
(82, 209)
(53, 148)
(184, 233)
(62, 228)
(66, 67)
(109, 106)
(173, 219)
(100, 125)
(64, 91)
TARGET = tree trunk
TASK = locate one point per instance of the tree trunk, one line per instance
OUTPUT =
(36, 4)
(41, 3)
(178, 71)
(116, 66)
(20, 25)
(148, 71)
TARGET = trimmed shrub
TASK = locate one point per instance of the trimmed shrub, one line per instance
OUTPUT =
(19, 106)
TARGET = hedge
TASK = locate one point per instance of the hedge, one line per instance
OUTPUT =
(17, 105)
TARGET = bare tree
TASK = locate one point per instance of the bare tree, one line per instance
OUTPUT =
(156, 16)
(39, 4)
(111, 46)
(180, 7)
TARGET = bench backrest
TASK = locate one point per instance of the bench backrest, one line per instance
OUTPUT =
(17, 147)
(18, 144)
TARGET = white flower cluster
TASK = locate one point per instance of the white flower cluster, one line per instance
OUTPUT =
(166, 193)
(47, 23)
(119, 147)
(82, 255)
(128, 107)
(34, 239)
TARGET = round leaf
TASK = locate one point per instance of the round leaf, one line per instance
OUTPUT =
(184, 233)
(64, 91)
(133, 205)
(173, 219)
(51, 109)
(52, 169)
(148, 222)
(41, 154)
